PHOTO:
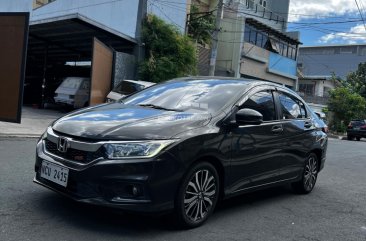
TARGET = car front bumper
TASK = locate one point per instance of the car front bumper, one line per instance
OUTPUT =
(109, 182)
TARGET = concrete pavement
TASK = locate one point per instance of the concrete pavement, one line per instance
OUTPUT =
(334, 211)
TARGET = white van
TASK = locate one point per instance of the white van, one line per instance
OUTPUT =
(74, 91)
(127, 87)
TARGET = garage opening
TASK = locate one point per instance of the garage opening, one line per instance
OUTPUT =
(62, 47)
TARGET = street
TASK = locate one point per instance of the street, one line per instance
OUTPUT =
(335, 210)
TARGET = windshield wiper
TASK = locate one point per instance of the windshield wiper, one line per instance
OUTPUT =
(159, 107)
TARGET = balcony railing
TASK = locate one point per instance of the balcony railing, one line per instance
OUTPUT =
(315, 99)
(263, 12)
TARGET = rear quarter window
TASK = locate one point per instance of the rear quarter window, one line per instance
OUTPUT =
(292, 108)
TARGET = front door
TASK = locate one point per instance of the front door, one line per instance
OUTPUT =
(257, 149)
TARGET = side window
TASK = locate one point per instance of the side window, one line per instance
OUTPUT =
(263, 103)
(292, 108)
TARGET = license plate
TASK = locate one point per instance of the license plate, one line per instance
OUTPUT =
(357, 128)
(54, 173)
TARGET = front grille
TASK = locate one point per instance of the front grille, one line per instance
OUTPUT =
(79, 156)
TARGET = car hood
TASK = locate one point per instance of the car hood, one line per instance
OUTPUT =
(124, 122)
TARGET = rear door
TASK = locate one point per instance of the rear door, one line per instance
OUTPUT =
(297, 132)
(13, 45)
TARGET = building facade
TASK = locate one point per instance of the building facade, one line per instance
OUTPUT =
(319, 66)
(253, 42)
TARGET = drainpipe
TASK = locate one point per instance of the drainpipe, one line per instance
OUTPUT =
(139, 50)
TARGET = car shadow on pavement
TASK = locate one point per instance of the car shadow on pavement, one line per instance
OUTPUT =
(117, 222)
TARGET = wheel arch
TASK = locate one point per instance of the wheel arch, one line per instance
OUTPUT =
(319, 153)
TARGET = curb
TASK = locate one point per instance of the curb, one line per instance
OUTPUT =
(3, 135)
(337, 137)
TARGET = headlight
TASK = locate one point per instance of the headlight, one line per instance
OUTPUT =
(135, 149)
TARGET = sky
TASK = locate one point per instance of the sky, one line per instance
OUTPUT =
(326, 22)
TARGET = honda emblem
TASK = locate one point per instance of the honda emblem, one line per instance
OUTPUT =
(63, 144)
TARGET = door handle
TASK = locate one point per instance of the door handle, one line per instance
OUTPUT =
(277, 129)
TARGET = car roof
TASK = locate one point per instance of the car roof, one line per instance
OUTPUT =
(252, 82)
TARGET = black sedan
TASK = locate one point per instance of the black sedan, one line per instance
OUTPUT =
(183, 145)
(356, 129)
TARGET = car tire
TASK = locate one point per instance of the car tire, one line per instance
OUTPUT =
(358, 138)
(309, 176)
(350, 138)
(197, 195)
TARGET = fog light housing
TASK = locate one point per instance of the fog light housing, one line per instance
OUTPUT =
(134, 190)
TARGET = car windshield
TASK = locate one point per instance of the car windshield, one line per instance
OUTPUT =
(72, 83)
(357, 123)
(191, 96)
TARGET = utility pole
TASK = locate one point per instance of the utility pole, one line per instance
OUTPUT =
(215, 40)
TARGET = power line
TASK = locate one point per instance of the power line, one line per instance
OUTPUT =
(85, 6)
(160, 10)
(364, 23)
(351, 20)
(315, 23)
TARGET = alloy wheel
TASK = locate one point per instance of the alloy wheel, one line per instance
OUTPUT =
(200, 195)
(310, 173)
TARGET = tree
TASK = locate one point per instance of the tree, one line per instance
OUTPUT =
(346, 106)
(169, 54)
(201, 25)
(356, 81)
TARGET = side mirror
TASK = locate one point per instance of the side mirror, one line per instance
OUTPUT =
(248, 117)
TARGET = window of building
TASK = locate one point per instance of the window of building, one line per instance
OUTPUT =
(345, 51)
(328, 51)
(271, 43)
(292, 108)
(363, 52)
(263, 3)
(263, 103)
(307, 89)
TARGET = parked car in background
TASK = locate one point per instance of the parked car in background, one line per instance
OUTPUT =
(73, 91)
(356, 129)
(183, 145)
(127, 87)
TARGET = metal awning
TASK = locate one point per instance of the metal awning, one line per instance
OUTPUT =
(265, 28)
(70, 38)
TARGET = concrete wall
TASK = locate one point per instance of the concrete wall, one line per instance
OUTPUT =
(120, 16)
(230, 43)
(172, 11)
(16, 6)
(323, 61)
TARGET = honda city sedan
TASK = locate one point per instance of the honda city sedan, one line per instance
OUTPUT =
(183, 145)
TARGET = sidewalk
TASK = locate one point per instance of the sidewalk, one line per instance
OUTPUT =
(34, 122)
